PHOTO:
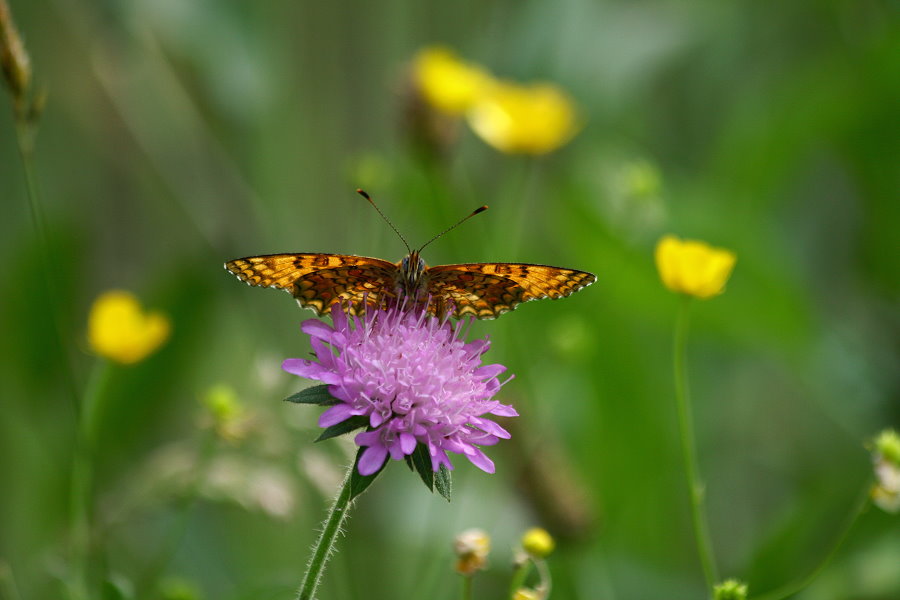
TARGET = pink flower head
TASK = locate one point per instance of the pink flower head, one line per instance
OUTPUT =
(414, 378)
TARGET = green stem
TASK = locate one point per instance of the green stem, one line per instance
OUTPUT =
(82, 475)
(797, 586)
(25, 142)
(519, 576)
(8, 588)
(466, 587)
(25, 133)
(688, 448)
(148, 582)
(325, 544)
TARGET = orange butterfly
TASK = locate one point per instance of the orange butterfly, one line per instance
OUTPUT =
(483, 290)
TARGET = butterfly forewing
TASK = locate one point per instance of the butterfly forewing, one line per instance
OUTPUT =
(482, 290)
(487, 290)
(319, 280)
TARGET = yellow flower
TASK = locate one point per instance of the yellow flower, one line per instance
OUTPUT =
(537, 542)
(119, 330)
(524, 119)
(692, 267)
(446, 82)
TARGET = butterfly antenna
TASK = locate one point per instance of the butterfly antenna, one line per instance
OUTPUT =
(480, 209)
(372, 202)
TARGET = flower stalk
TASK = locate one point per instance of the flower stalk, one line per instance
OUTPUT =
(324, 546)
(82, 477)
(688, 448)
(796, 587)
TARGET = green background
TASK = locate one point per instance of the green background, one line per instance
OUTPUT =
(179, 135)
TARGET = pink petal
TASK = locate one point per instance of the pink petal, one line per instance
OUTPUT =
(372, 459)
(302, 367)
(407, 443)
(490, 427)
(504, 410)
(317, 329)
(480, 460)
(336, 414)
(323, 353)
(338, 317)
(367, 438)
(489, 371)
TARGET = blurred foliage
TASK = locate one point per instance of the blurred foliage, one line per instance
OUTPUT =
(178, 135)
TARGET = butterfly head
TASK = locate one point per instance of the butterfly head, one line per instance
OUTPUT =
(411, 269)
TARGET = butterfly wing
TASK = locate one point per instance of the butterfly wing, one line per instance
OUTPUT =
(317, 281)
(487, 290)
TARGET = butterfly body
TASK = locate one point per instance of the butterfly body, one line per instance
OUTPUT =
(483, 290)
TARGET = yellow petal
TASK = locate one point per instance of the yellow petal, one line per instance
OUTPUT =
(446, 82)
(119, 330)
(524, 119)
(693, 267)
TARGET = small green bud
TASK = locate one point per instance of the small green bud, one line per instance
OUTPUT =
(228, 415)
(886, 459)
(641, 179)
(730, 589)
(887, 444)
(175, 588)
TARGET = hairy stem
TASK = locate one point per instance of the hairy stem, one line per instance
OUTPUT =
(324, 546)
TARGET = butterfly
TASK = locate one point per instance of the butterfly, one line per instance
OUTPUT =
(482, 290)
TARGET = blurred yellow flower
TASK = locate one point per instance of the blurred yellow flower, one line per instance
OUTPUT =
(446, 82)
(119, 330)
(692, 267)
(524, 119)
(538, 542)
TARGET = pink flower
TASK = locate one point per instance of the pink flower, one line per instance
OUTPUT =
(414, 378)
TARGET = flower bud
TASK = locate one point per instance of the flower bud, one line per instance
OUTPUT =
(538, 543)
(886, 459)
(471, 547)
(228, 415)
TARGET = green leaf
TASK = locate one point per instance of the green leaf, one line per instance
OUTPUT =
(421, 461)
(317, 394)
(359, 483)
(444, 482)
(343, 427)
